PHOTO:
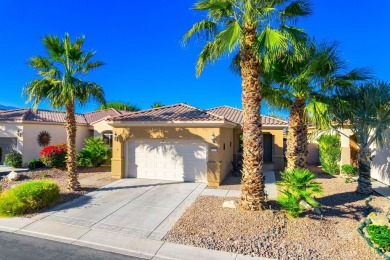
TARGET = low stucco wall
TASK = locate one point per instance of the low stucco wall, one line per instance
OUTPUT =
(219, 161)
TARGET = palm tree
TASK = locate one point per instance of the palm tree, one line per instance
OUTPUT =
(120, 106)
(61, 83)
(249, 27)
(365, 109)
(298, 83)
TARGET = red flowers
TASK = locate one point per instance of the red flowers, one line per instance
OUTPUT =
(54, 155)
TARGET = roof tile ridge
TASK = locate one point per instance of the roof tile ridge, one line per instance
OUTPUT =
(147, 110)
(275, 118)
(26, 113)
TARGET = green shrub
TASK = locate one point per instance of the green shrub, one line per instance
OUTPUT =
(298, 185)
(28, 197)
(330, 153)
(35, 164)
(380, 235)
(14, 160)
(95, 153)
(349, 170)
(54, 155)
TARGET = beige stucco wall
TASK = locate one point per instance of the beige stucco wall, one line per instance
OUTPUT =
(219, 161)
(380, 167)
(100, 127)
(31, 148)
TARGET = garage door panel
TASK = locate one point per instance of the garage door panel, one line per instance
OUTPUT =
(172, 161)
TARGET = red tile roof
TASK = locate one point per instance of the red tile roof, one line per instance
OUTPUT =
(235, 115)
(96, 116)
(55, 116)
(51, 116)
(178, 112)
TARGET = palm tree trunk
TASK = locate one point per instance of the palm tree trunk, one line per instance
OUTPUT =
(253, 194)
(364, 181)
(71, 160)
(297, 136)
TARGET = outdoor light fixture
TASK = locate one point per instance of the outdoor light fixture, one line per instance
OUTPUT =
(19, 133)
(213, 137)
(116, 137)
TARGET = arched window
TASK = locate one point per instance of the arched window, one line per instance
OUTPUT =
(107, 137)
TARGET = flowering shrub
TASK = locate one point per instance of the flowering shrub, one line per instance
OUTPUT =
(54, 155)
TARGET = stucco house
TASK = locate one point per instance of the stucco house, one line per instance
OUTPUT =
(22, 129)
(177, 142)
(184, 143)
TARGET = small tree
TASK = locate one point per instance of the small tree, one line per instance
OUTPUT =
(365, 109)
(330, 153)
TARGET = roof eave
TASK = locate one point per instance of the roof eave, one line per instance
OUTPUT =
(173, 123)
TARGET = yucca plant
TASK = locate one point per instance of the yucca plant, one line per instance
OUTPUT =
(298, 185)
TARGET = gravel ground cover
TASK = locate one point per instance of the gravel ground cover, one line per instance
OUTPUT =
(271, 233)
(90, 179)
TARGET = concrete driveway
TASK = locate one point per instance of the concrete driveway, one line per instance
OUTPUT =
(136, 207)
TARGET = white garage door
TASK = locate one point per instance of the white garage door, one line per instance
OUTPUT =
(178, 161)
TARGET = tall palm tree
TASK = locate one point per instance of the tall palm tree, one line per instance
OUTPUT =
(61, 83)
(365, 109)
(298, 83)
(249, 27)
(120, 106)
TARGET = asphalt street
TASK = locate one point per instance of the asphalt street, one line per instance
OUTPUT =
(15, 247)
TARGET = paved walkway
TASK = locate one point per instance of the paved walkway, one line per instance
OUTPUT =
(270, 188)
(129, 216)
(381, 188)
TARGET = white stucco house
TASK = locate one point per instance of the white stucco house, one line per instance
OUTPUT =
(22, 130)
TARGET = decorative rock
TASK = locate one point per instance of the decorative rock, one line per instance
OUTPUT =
(378, 219)
(13, 176)
(309, 207)
(231, 204)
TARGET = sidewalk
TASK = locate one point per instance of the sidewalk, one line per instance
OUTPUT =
(381, 189)
(114, 242)
(86, 221)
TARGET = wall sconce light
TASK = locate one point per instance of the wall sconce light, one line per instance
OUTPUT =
(213, 137)
(116, 137)
(19, 133)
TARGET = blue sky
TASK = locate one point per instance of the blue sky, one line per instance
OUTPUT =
(140, 43)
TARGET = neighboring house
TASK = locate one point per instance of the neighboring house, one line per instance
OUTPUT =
(184, 143)
(22, 130)
(380, 166)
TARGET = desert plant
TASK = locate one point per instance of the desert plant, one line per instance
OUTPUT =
(28, 197)
(298, 185)
(95, 153)
(380, 235)
(54, 155)
(14, 160)
(35, 164)
(330, 153)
